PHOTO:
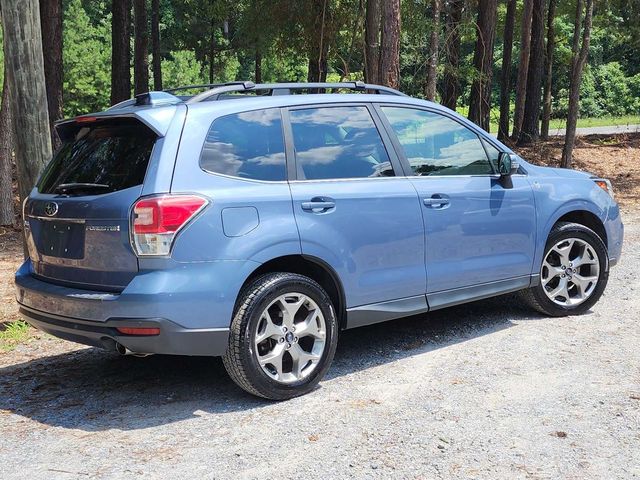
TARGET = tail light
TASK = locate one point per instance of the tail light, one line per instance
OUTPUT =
(157, 220)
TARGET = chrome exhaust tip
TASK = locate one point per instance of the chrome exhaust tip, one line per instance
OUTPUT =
(122, 350)
(113, 346)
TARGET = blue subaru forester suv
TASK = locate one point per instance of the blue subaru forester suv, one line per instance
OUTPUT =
(252, 223)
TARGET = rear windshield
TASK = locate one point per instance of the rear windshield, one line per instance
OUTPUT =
(108, 156)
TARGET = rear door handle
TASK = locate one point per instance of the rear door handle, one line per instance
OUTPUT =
(319, 204)
(436, 201)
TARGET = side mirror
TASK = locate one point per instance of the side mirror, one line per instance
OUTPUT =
(507, 164)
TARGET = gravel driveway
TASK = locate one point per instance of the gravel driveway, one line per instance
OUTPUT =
(488, 390)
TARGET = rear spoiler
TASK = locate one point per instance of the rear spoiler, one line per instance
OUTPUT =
(157, 118)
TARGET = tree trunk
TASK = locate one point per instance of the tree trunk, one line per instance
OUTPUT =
(27, 89)
(258, 62)
(372, 42)
(451, 89)
(212, 50)
(155, 45)
(432, 63)
(480, 102)
(530, 130)
(140, 48)
(390, 44)
(548, 69)
(578, 60)
(120, 50)
(7, 216)
(523, 67)
(51, 26)
(505, 80)
(319, 44)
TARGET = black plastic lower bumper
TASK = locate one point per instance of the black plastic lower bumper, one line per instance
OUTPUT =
(172, 340)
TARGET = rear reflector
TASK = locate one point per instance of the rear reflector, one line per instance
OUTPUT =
(157, 220)
(138, 331)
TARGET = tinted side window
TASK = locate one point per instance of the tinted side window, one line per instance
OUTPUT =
(437, 145)
(338, 142)
(246, 145)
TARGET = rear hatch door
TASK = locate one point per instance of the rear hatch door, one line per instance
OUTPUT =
(77, 217)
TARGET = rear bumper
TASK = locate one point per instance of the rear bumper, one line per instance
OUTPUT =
(172, 340)
(192, 304)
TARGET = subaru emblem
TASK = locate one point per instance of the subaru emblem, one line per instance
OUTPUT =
(50, 209)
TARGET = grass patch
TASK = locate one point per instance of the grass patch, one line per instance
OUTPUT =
(12, 334)
(597, 122)
(561, 123)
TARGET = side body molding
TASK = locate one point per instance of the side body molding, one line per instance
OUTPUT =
(404, 307)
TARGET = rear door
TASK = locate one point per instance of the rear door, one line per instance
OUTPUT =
(477, 231)
(77, 217)
(353, 208)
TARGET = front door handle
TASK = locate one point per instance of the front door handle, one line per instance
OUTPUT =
(436, 201)
(319, 205)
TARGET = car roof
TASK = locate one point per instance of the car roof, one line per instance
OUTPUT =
(157, 109)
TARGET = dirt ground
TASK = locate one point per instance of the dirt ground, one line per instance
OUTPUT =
(486, 390)
(10, 258)
(614, 157)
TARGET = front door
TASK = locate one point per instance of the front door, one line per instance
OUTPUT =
(477, 231)
(351, 209)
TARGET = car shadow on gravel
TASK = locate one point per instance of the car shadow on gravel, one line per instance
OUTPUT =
(95, 390)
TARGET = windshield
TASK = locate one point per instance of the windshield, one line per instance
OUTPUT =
(112, 155)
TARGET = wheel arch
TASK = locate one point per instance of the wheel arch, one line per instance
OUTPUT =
(582, 212)
(587, 219)
(314, 268)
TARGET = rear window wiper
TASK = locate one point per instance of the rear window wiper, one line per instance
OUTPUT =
(65, 188)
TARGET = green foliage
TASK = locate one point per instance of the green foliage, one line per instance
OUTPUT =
(634, 92)
(204, 40)
(612, 91)
(605, 91)
(182, 68)
(284, 67)
(87, 61)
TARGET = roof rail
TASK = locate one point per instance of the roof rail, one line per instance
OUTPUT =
(285, 89)
(200, 86)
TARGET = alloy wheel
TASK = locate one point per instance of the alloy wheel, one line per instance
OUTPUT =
(290, 338)
(570, 272)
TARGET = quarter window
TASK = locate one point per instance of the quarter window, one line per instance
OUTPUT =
(246, 145)
(437, 145)
(493, 153)
(338, 142)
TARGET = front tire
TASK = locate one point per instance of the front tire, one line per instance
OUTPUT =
(283, 336)
(573, 274)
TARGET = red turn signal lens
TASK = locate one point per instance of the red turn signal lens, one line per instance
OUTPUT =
(138, 331)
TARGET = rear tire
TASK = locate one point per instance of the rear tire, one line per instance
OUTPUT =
(283, 336)
(573, 274)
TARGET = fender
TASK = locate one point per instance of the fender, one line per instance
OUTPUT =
(559, 212)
